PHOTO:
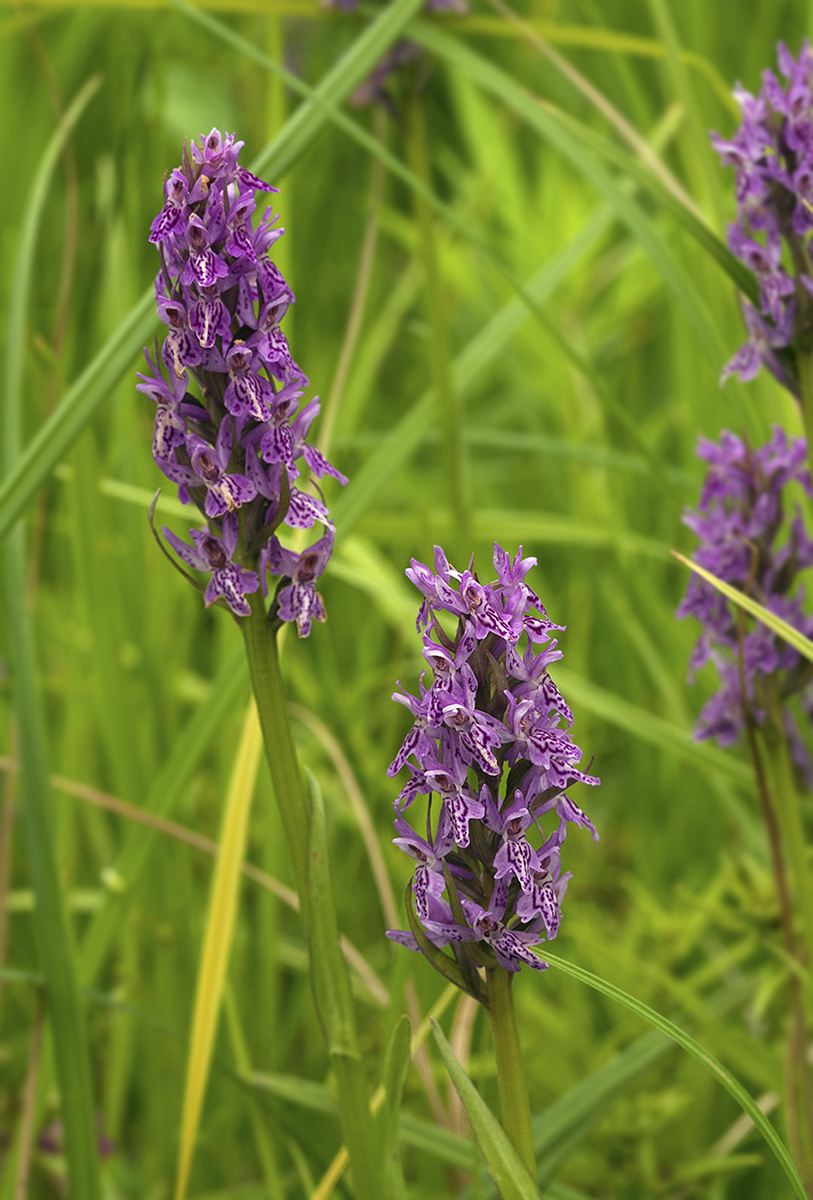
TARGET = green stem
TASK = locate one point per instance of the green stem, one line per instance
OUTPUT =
(305, 832)
(514, 1103)
(439, 340)
(272, 707)
(804, 361)
(789, 813)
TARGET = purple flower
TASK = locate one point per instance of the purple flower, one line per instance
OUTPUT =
(229, 581)
(488, 740)
(772, 155)
(224, 430)
(746, 541)
(299, 601)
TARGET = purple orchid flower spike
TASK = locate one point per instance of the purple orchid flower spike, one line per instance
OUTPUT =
(487, 740)
(772, 155)
(225, 432)
(746, 541)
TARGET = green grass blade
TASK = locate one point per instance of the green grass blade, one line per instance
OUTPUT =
(405, 437)
(781, 628)
(396, 1063)
(567, 1121)
(322, 101)
(53, 929)
(506, 1167)
(743, 279)
(334, 1004)
(666, 735)
(217, 939)
(229, 689)
(687, 1043)
(424, 193)
(562, 1126)
(75, 409)
(492, 79)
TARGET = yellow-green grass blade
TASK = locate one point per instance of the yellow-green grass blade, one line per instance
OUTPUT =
(707, 1060)
(700, 159)
(506, 1167)
(739, 274)
(217, 938)
(54, 936)
(781, 628)
(321, 102)
(334, 1006)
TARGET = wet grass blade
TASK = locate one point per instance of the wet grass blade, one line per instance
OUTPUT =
(217, 938)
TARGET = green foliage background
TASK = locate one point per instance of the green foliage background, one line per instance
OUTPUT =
(675, 904)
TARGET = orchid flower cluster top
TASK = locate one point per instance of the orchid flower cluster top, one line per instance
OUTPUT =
(236, 448)
(746, 541)
(772, 153)
(491, 740)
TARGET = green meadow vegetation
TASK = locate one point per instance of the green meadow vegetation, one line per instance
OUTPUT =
(513, 297)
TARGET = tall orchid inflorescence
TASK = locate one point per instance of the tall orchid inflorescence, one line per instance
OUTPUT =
(772, 152)
(746, 541)
(491, 740)
(235, 449)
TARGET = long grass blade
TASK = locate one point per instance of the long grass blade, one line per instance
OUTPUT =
(217, 938)
(53, 928)
(228, 690)
(781, 628)
(491, 78)
(334, 1005)
(707, 1060)
(506, 1167)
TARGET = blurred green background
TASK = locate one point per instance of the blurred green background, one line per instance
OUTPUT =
(588, 467)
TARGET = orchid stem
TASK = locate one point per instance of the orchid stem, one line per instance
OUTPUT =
(272, 707)
(514, 1103)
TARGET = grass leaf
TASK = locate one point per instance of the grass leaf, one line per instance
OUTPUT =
(54, 935)
(687, 1043)
(217, 938)
(506, 1167)
(781, 628)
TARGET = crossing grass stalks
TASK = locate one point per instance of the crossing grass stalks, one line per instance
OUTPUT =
(585, 348)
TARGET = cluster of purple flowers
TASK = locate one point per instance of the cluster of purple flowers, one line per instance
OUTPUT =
(235, 449)
(772, 153)
(491, 740)
(745, 541)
